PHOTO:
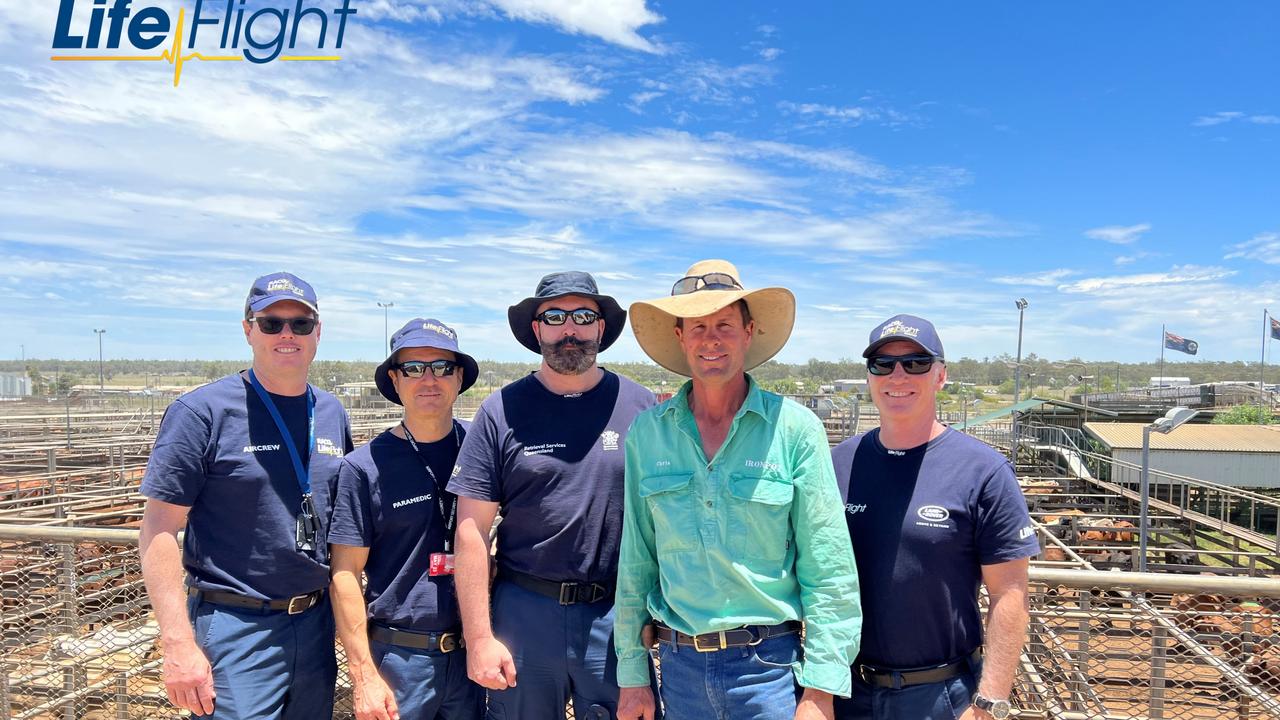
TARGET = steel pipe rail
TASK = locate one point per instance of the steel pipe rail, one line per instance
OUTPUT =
(1157, 582)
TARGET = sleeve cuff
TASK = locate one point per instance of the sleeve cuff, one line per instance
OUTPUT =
(633, 671)
(835, 679)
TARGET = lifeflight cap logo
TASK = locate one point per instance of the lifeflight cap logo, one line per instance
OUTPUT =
(146, 28)
(897, 327)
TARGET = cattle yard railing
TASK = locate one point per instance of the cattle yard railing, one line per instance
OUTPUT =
(78, 639)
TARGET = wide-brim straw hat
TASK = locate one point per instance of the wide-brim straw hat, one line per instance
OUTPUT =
(773, 309)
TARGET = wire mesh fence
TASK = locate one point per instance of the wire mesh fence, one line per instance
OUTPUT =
(79, 640)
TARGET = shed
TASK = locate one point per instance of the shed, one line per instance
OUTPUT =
(1246, 456)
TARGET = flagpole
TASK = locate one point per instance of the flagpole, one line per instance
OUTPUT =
(1262, 368)
(1162, 337)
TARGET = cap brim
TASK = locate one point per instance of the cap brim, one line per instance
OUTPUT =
(653, 322)
(264, 303)
(520, 318)
(873, 347)
(382, 374)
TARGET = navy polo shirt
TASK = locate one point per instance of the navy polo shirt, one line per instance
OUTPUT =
(923, 522)
(219, 453)
(388, 503)
(554, 465)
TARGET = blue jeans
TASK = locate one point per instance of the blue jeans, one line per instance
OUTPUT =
(944, 700)
(267, 664)
(429, 684)
(561, 652)
(731, 684)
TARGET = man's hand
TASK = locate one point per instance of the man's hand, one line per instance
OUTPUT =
(188, 678)
(489, 664)
(815, 705)
(636, 704)
(373, 700)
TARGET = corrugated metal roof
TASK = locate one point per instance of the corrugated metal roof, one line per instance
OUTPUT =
(1205, 438)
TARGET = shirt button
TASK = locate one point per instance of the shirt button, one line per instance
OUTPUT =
(710, 504)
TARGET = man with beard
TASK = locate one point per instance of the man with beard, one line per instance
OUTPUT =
(546, 452)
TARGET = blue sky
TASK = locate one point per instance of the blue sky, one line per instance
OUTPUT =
(1115, 164)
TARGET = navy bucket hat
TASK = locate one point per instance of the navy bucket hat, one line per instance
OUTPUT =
(557, 285)
(905, 327)
(424, 333)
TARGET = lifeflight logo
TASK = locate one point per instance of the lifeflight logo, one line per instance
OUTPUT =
(261, 36)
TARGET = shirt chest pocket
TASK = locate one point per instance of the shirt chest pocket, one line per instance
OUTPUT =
(760, 515)
(672, 507)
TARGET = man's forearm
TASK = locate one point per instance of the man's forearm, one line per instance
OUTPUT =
(350, 616)
(471, 580)
(1006, 633)
(162, 573)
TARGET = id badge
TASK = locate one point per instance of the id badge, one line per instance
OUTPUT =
(441, 564)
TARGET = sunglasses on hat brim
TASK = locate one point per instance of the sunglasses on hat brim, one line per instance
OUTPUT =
(917, 364)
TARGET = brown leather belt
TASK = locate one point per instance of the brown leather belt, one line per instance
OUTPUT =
(293, 606)
(737, 637)
(879, 677)
(445, 642)
(568, 593)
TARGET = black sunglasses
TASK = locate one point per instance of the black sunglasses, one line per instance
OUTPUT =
(270, 325)
(581, 316)
(710, 281)
(917, 364)
(418, 368)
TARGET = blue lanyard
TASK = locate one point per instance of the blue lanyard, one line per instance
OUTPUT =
(304, 475)
(450, 516)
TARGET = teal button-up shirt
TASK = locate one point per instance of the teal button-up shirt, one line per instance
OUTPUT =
(756, 536)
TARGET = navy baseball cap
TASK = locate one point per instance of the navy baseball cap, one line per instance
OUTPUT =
(271, 289)
(424, 333)
(905, 327)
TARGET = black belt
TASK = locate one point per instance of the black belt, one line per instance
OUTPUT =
(445, 642)
(293, 606)
(879, 677)
(568, 593)
(737, 637)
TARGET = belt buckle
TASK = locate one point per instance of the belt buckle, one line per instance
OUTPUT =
(291, 610)
(713, 648)
(448, 642)
(571, 590)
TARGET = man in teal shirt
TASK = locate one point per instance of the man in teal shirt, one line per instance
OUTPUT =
(733, 535)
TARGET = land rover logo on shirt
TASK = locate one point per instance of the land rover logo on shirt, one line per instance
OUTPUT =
(609, 439)
(933, 513)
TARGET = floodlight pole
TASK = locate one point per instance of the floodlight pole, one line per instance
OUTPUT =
(386, 337)
(101, 386)
(1017, 382)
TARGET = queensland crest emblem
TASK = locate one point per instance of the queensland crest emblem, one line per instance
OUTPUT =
(609, 440)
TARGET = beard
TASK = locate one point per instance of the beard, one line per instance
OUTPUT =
(570, 356)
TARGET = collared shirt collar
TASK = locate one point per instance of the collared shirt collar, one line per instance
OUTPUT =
(754, 402)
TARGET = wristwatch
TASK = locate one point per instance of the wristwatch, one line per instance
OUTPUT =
(999, 709)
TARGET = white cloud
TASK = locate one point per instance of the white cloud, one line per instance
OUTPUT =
(1119, 234)
(1263, 247)
(817, 114)
(1048, 278)
(614, 21)
(770, 54)
(1179, 275)
(1221, 118)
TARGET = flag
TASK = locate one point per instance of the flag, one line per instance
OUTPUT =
(1181, 344)
(1275, 328)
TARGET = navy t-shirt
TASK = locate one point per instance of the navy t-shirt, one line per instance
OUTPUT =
(923, 521)
(554, 465)
(219, 452)
(388, 503)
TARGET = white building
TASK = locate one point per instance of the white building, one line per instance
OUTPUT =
(14, 385)
(1246, 456)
